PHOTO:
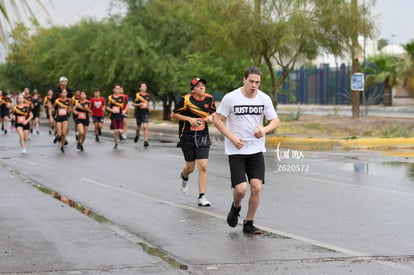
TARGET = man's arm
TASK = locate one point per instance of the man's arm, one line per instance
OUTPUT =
(262, 131)
(192, 120)
(219, 123)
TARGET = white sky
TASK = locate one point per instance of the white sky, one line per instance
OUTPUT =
(393, 17)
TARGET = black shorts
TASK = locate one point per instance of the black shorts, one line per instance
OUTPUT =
(25, 127)
(85, 122)
(192, 152)
(36, 114)
(5, 113)
(251, 165)
(142, 117)
(61, 118)
(99, 119)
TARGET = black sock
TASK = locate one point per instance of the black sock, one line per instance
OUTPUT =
(182, 176)
(200, 195)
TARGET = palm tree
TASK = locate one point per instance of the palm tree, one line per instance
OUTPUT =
(13, 10)
(384, 69)
(408, 69)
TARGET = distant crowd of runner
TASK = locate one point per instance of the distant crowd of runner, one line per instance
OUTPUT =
(21, 111)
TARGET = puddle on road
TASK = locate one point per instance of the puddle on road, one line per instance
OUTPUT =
(395, 169)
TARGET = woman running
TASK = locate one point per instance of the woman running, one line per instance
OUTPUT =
(47, 105)
(81, 112)
(22, 116)
(62, 107)
(5, 106)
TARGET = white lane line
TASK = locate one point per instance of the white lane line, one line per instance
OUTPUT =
(175, 156)
(349, 252)
(25, 161)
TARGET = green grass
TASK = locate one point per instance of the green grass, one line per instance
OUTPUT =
(313, 125)
(395, 132)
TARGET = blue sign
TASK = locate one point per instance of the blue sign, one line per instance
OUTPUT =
(357, 82)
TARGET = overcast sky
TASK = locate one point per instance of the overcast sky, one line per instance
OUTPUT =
(393, 17)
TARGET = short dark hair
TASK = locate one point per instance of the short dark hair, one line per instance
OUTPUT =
(252, 70)
(140, 84)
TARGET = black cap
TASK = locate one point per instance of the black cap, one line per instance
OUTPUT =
(195, 81)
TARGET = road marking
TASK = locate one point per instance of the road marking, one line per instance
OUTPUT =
(175, 156)
(26, 161)
(349, 252)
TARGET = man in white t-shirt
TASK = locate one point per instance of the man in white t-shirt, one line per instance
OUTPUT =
(244, 110)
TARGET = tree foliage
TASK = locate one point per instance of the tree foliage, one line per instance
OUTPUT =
(167, 43)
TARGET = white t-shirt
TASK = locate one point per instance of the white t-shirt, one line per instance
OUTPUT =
(243, 115)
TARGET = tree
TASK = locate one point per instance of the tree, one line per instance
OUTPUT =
(271, 33)
(384, 69)
(382, 43)
(13, 8)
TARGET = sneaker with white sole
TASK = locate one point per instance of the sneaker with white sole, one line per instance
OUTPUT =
(24, 152)
(184, 183)
(203, 202)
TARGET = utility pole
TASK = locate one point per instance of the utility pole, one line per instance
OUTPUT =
(356, 68)
(258, 12)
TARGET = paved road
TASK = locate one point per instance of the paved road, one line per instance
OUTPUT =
(338, 212)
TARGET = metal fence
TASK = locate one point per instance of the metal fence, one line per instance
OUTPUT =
(323, 86)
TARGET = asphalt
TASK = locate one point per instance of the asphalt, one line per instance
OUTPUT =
(39, 235)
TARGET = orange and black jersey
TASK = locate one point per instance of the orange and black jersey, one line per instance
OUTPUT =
(28, 99)
(117, 103)
(5, 100)
(21, 113)
(83, 110)
(23, 110)
(62, 107)
(142, 98)
(46, 102)
(75, 99)
(190, 106)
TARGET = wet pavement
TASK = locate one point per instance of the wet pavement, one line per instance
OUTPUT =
(331, 212)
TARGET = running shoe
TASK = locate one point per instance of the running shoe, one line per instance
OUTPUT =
(81, 147)
(50, 132)
(78, 146)
(136, 139)
(24, 152)
(116, 145)
(99, 132)
(96, 138)
(203, 202)
(146, 144)
(37, 132)
(233, 216)
(248, 227)
(62, 149)
(184, 183)
(5, 132)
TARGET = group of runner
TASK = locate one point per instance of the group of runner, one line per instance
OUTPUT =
(239, 118)
(24, 108)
